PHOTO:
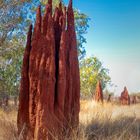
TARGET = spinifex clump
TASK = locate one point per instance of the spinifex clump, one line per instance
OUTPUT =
(50, 84)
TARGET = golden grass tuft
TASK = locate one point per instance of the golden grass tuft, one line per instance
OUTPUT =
(97, 122)
(8, 129)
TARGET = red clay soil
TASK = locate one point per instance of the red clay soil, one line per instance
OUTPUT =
(99, 93)
(125, 98)
(49, 101)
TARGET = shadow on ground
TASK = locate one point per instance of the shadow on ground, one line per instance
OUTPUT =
(121, 128)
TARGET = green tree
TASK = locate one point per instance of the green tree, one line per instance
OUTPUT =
(12, 40)
(11, 18)
(92, 70)
(10, 66)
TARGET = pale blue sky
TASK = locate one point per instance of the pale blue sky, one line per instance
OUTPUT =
(114, 37)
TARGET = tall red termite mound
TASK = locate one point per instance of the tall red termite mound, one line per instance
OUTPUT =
(50, 84)
(125, 98)
(99, 92)
(134, 99)
(109, 98)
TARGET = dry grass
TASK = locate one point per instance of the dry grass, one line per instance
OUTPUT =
(8, 130)
(97, 122)
(110, 122)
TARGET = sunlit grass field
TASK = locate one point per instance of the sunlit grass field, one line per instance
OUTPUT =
(97, 122)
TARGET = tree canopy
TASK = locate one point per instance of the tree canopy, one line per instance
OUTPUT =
(91, 71)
